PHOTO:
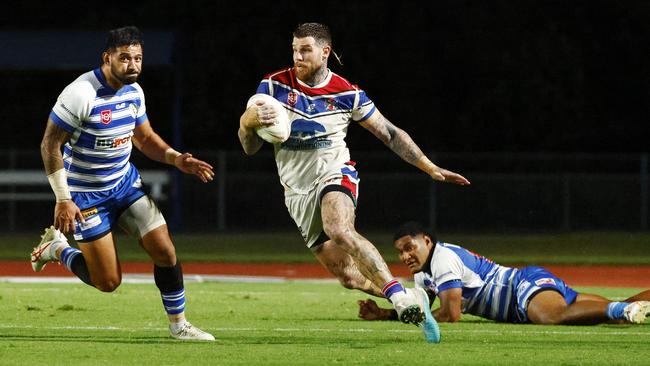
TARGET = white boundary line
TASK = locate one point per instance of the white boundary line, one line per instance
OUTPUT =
(148, 278)
(342, 330)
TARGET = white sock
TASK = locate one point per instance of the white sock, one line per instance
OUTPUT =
(55, 246)
(398, 297)
(177, 326)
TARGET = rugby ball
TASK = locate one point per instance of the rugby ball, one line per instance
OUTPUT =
(278, 132)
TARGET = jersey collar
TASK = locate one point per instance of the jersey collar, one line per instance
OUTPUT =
(427, 264)
(102, 79)
(319, 85)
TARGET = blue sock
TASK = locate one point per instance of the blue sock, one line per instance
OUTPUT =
(68, 255)
(174, 302)
(615, 310)
(74, 261)
(391, 288)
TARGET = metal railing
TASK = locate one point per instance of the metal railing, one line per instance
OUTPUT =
(508, 192)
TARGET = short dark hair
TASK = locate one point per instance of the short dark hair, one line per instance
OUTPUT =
(320, 32)
(413, 228)
(124, 36)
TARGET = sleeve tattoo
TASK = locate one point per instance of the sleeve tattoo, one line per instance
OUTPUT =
(401, 143)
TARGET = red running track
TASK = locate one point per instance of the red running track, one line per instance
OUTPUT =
(598, 275)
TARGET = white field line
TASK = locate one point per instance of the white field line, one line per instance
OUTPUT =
(603, 332)
(148, 278)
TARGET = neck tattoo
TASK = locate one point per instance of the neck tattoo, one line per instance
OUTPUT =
(318, 76)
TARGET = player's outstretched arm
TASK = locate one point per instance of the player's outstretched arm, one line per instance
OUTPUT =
(369, 310)
(155, 148)
(401, 143)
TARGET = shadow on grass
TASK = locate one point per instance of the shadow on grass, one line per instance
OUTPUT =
(95, 339)
(289, 339)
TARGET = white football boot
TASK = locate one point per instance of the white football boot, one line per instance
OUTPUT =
(429, 325)
(188, 332)
(408, 308)
(45, 251)
(637, 311)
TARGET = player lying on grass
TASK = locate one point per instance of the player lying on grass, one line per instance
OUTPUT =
(468, 283)
(98, 118)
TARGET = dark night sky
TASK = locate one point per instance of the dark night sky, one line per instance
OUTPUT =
(460, 76)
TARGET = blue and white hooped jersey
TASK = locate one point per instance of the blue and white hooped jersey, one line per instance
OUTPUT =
(488, 289)
(319, 115)
(101, 121)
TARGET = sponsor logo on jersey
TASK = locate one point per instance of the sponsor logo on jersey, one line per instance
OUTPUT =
(331, 105)
(89, 224)
(292, 98)
(89, 212)
(134, 110)
(137, 183)
(304, 128)
(303, 136)
(523, 286)
(430, 286)
(106, 116)
(545, 281)
(112, 142)
(120, 106)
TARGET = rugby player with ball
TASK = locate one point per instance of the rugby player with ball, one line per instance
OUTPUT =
(319, 177)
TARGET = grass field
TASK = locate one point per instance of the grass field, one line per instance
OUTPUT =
(536, 248)
(280, 323)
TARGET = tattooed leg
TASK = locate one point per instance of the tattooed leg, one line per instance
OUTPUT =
(341, 265)
(337, 211)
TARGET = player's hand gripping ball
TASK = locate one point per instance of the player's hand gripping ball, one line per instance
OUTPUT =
(279, 130)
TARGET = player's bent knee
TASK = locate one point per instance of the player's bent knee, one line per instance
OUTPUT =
(348, 282)
(108, 285)
(166, 257)
(340, 236)
(160, 247)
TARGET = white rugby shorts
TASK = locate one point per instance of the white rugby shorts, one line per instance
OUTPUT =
(305, 209)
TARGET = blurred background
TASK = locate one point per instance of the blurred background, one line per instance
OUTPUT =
(541, 104)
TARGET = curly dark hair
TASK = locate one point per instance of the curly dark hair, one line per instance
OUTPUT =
(413, 228)
(320, 32)
(124, 36)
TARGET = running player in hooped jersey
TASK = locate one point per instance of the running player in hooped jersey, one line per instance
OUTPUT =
(469, 283)
(315, 169)
(99, 117)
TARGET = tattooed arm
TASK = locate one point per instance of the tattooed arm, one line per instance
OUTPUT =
(401, 143)
(257, 115)
(247, 136)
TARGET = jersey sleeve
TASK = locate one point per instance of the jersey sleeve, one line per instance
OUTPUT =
(264, 87)
(363, 107)
(141, 113)
(448, 271)
(71, 108)
(418, 278)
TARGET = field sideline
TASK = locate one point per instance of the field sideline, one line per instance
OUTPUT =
(586, 275)
(587, 248)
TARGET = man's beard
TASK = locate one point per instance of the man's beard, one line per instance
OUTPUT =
(125, 79)
(308, 75)
(304, 73)
(128, 80)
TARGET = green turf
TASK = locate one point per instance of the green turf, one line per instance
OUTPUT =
(547, 248)
(278, 324)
